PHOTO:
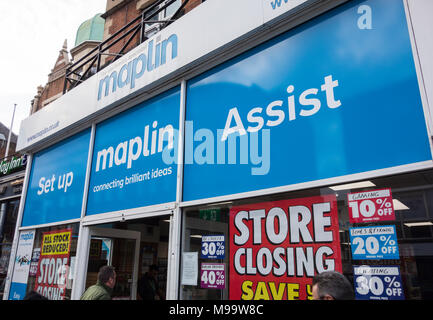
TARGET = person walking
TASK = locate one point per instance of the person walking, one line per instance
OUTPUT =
(148, 287)
(103, 288)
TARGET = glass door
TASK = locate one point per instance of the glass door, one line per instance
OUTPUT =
(120, 249)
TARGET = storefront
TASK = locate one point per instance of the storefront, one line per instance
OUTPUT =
(241, 164)
(11, 185)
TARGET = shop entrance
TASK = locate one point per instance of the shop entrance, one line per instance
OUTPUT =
(118, 248)
(138, 249)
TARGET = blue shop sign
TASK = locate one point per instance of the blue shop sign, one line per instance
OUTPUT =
(135, 156)
(56, 185)
(329, 98)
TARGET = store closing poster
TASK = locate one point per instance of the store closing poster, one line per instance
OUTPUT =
(51, 278)
(278, 247)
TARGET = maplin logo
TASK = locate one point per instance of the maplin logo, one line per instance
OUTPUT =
(134, 69)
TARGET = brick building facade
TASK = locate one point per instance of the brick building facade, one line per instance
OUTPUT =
(54, 87)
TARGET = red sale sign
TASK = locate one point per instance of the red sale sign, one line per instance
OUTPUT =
(53, 264)
(370, 206)
(277, 248)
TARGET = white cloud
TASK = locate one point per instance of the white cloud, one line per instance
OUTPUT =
(32, 35)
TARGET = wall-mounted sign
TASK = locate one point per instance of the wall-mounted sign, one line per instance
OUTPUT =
(371, 206)
(294, 109)
(212, 276)
(171, 50)
(276, 248)
(56, 184)
(135, 156)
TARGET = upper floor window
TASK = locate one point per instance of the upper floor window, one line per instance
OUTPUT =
(167, 13)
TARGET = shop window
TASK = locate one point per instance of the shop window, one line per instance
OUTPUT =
(53, 260)
(384, 242)
(7, 229)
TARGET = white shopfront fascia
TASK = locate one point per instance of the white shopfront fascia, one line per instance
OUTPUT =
(246, 24)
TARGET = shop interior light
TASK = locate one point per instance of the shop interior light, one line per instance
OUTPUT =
(217, 205)
(356, 185)
(419, 224)
(198, 236)
(398, 205)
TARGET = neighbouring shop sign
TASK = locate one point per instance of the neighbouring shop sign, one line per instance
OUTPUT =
(56, 185)
(53, 267)
(327, 99)
(276, 248)
(135, 156)
(22, 265)
(210, 214)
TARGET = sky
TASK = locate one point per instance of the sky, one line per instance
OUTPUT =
(32, 34)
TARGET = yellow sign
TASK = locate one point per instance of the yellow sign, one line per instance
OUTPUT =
(56, 243)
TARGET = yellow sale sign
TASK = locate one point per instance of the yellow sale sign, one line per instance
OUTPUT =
(56, 243)
(54, 264)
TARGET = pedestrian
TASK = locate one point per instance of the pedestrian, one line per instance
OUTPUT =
(332, 285)
(148, 287)
(103, 288)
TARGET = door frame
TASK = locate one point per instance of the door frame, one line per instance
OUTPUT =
(81, 268)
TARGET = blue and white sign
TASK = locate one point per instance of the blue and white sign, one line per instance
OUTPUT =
(378, 283)
(378, 242)
(56, 184)
(135, 156)
(336, 96)
(213, 247)
(22, 265)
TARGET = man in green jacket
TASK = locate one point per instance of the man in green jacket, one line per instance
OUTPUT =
(104, 286)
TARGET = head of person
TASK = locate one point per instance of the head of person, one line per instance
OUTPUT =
(107, 276)
(153, 270)
(332, 285)
(33, 295)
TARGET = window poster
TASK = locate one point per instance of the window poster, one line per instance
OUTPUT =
(278, 247)
(212, 276)
(22, 265)
(213, 247)
(378, 283)
(51, 277)
(377, 242)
